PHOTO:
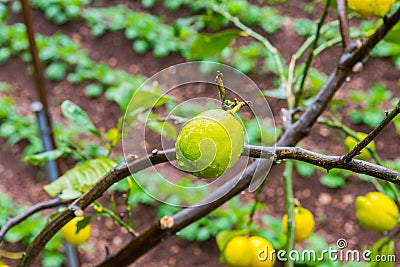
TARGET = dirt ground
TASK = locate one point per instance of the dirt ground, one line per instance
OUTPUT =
(336, 205)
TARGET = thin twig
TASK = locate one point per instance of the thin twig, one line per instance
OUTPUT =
(255, 204)
(371, 136)
(271, 49)
(291, 98)
(344, 23)
(311, 55)
(115, 217)
(48, 204)
(123, 170)
(154, 235)
(302, 126)
(324, 161)
(336, 124)
(289, 200)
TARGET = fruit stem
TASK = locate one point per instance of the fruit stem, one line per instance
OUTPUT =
(221, 88)
(226, 103)
(236, 107)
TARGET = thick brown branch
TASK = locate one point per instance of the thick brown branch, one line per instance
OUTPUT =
(48, 204)
(371, 136)
(295, 133)
(301, 127)
(114, 175)
(153, 235)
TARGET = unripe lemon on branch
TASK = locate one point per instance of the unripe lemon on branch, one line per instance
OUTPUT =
(377, 212)
(210, 143)
(303, 223)
(350, 142)
(71, 234)
(371, 8)
(253, 251)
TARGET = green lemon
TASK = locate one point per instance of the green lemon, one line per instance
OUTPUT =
(377, 212)
(209, 144)
(351, 142)
(371, 8)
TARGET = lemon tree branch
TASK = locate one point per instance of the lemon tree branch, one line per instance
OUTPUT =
(323, 161)
(48, 204)
(311, 55)
(303, 125)
(114, 175)
(344, 23)
(368, 139)
(271, 49)
(203, 207)
(292, 135)
(154, 234)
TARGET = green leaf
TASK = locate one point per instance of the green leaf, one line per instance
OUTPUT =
(203, 234)
(304, 169)
(41, 158)
(56, 71)
(333, 179)
(225, 236)
(382, 249)
(80, 178)
(93, 90)
(190, 232)
(304, 27)
(52, 259)
(279, 93)
(113, 136)
(163, 128)
(77, 116)
(82, 224)
(394, 35)
(396, 122)
(207, 45)
(147, 99)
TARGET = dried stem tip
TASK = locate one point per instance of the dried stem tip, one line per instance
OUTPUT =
(166, 222)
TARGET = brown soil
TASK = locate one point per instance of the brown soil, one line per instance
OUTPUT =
(333, 208)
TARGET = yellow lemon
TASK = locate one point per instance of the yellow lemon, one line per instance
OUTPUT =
(303, 223)
(377, 212)
(371, 8)
(209, 144)
(263, 253)
(351, 142)
(69, 232)
(238, 252)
